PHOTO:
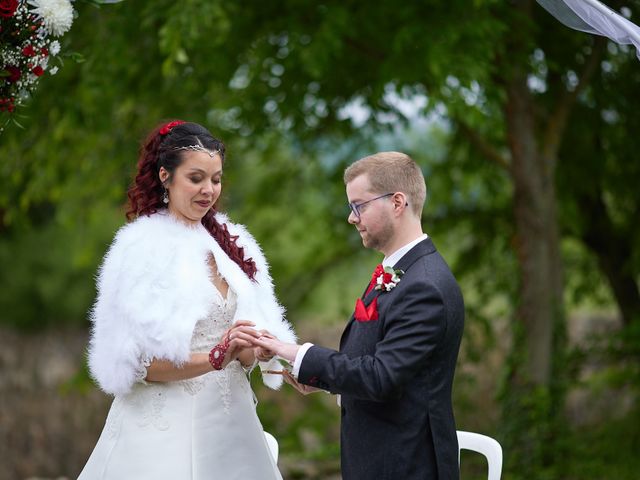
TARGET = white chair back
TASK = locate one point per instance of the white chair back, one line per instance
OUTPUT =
(273, 445)
(485, 445)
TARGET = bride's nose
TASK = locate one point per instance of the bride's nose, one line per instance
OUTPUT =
(207, 189)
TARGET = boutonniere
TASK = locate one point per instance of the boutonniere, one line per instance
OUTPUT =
(388, 279)
(385, 280)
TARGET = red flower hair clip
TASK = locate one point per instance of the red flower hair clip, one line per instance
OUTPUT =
(167, 128)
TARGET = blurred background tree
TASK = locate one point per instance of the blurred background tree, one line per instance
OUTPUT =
(522, 126)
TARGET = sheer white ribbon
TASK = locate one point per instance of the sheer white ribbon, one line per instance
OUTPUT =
(592, 16)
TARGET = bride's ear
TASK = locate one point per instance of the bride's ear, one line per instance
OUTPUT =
(163, 174)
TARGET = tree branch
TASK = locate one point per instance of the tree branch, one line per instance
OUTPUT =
(485, 148)
(558, 120)
(364, 49)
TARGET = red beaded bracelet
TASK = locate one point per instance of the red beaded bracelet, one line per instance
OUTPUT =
(217, 354)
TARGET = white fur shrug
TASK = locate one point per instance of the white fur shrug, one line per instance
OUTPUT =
(154, 285)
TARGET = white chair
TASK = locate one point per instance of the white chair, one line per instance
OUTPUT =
(487, 446)
(273, 445)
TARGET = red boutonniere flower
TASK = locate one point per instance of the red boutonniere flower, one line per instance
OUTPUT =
(386, 280)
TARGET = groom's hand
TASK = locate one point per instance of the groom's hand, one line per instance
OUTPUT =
(269, 343)
(303, 389)
(263, 354)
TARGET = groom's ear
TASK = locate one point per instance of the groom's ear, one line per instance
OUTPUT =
(399, 202)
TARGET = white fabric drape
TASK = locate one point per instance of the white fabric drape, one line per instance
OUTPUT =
(592, 16)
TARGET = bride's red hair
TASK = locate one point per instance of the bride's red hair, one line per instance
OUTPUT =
(145, 195)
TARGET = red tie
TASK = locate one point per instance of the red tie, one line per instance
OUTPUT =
(376, 273)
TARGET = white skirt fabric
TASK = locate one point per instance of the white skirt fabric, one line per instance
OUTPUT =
(197, 429)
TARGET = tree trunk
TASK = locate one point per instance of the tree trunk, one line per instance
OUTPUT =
(613, 250)
(532, 403)
(537, 240)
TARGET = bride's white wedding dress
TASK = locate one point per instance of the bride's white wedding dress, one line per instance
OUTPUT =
(202, 428)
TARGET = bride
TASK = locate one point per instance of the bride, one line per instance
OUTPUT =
(181, 293)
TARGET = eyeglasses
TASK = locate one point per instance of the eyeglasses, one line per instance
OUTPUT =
(355, 207)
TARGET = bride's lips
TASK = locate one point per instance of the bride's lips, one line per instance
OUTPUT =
(204, 203)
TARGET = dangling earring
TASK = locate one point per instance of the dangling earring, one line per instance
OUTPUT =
(165, 195)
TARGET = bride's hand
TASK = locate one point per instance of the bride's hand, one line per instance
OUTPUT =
(240, 337)
(303, 389)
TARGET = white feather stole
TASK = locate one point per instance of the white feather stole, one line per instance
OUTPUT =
(154, 285)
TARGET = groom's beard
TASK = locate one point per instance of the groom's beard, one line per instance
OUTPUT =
(381, 238)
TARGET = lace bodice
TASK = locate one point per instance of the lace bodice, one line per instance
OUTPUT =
(149, 401)
(208, 331)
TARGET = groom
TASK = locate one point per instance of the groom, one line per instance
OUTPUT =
(398, 352)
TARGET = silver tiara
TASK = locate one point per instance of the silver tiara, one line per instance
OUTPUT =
(198, 148)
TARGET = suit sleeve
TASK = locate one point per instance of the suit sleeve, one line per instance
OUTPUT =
(415, 326)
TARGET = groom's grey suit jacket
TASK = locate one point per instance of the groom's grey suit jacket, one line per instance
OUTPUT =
(395, 376)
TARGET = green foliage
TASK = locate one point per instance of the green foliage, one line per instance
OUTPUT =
(306, 426)
(47, 274)
(527, 429)
(81, 382)
(605, 451)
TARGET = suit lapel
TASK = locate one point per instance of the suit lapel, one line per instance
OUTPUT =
(425, 247)
(352, 319)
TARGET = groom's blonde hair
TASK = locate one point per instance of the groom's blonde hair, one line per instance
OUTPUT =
(390, 172)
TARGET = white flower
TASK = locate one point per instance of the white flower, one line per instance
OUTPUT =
(53, 70)
(54, 48)
(56, 14)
